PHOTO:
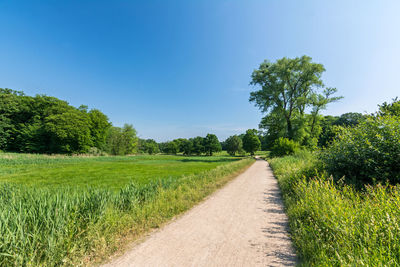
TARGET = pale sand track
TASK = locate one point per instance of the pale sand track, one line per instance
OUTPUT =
(243, 224)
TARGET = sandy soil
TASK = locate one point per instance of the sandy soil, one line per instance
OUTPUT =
(243, 224)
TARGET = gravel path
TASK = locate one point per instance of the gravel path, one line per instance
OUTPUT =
(243, 224)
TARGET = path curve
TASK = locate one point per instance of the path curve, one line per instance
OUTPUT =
(243, 224)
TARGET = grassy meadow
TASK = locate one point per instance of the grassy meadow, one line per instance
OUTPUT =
(336, 223)
(78, 210)
(107, 171)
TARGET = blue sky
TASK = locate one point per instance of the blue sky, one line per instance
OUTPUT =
(182, 68)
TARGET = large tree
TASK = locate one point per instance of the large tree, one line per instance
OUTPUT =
(233, 145)
(187, 147)
(99, 126)
(212, 144)
(288, 88)
(251, 142)
(198, 145)
(69, 131)
(121, 141)
(171, 148)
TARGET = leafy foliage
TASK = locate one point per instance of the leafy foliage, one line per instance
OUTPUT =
(187, 147)
(234, 145)
(391, 109)
(99, 126)
(44, 124)
(284, 147)
(148, 146)
(198, 145)
(211, 144)
(69, 132)
(251, 143)
(171, 148)
(330, 126)
(368, 152)
(122, 141)
(288, 88)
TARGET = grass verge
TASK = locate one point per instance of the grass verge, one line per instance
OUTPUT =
(334, 224)
(52, 227)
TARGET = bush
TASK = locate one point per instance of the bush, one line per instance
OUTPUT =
(367, 153)
(284, 147)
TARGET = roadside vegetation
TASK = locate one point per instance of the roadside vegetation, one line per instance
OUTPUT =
(339, 176)
(333, 223)
(63, 210)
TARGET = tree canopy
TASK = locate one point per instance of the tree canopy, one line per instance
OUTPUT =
(234, 145)
(391, 109)
(149, 146)
(211, 144)
(288, 88)
(45, 124)
(251, 142)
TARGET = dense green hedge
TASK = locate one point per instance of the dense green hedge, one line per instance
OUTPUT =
(367, 153)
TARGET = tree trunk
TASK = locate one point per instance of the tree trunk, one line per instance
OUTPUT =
(289, 128)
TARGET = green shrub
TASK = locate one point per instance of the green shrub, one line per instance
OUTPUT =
(366, 153)
(284, 147)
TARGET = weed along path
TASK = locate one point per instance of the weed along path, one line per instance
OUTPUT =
(243, 224)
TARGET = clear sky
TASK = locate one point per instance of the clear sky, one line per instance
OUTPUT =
(182, 68)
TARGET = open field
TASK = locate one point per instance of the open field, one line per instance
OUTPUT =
(107, 172)
(51, 215)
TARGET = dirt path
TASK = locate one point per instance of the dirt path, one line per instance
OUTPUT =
(243, 224)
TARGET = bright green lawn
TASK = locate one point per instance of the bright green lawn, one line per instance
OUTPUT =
(109, 172)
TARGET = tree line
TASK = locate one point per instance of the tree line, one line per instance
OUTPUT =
(234, 145)
(45, 124)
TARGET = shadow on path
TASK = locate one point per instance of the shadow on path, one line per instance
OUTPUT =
(277, 228)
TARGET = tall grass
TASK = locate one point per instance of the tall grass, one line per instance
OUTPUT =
(65, 226)
(334, 224)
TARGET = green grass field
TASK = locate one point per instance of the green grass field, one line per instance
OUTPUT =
(106, 172)
(75, 211)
